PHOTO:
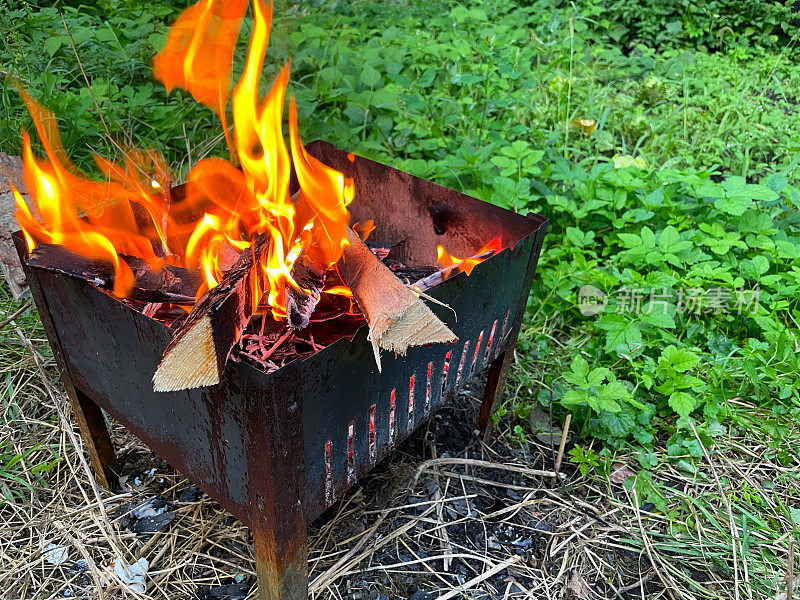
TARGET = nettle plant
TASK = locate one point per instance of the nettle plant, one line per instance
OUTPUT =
(702, 281)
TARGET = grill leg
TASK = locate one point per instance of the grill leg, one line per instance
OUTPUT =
(280, 578)
(276, 485)
(498, 371)
(96, 438)
(91, 422)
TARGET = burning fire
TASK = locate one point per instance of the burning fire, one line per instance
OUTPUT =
(224, 208)
(466, 264)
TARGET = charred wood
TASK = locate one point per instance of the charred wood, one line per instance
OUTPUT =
(300, 303)
(167, 284)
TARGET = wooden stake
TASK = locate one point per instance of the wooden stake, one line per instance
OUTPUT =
(563, 443)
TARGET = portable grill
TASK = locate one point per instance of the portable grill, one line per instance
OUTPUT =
(277, 449)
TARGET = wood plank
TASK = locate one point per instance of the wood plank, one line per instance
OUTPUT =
(201, 345)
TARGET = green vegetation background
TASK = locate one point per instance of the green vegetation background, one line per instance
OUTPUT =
(688, 180)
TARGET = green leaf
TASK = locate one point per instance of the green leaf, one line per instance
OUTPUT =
(579, 371)
(678, 359)
(157, 41)
(735, 185)
(682, 403)
(53, 44)
(427, 77)
(648, 237)
(619, 423)
(620, 333)
(761, 264)
(370, 76)
(630, 240)
(507, 165)
(579, 238)
(733, 206)
(739, 195)
(787, 249)
(106, 34)
(459, 14)
(668, 238)
(608, 394)
(616, 390)
(575, 398)
(597, 375)
(658, 314)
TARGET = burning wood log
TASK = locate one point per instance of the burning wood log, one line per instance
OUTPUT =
(300, 303)
(397, 318)
(200, 347)
(169, 284)
(439, 276)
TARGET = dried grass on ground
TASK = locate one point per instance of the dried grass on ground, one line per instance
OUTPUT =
(448, 515)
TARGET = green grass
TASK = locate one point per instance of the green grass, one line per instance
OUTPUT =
(688, 182)
(26, 451)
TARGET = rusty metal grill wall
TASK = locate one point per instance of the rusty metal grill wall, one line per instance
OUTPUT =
(346, 394)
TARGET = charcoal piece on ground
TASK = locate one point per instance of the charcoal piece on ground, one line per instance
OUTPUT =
(123, 514)
(232, 591)
(80, 566)
(190, 494)
(152, 524)
(147, 516)
(151, 507)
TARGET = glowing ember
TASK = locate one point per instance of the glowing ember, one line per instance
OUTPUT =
(451, 264)
(224, 209)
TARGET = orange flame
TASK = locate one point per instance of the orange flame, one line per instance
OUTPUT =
(223, 209)
(364, 229)
(99, 220)
(466, 264)
(198, 55)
